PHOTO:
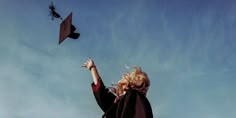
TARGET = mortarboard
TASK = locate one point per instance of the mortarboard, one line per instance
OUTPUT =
(67, 29)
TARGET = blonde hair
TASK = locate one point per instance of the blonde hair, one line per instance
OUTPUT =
(137, 80)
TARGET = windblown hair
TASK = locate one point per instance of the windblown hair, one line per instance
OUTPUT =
(137, 79)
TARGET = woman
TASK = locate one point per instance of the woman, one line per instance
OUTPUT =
(127, 99)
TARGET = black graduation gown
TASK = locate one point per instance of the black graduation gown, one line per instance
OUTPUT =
(132, 105)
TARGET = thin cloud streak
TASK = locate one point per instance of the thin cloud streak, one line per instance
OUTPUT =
(189, 57)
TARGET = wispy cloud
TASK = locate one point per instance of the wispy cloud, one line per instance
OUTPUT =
(189, 57)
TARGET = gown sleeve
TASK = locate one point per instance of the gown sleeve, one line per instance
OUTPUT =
(102, 95)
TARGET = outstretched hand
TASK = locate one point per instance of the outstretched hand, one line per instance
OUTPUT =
(89, 64)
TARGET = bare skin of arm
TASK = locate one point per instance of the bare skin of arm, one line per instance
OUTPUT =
(90, 65)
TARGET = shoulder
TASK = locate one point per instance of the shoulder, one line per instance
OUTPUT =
(135, 96)
(135, 92)
(138, 97)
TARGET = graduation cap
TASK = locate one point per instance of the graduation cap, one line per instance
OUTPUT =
(67, 29)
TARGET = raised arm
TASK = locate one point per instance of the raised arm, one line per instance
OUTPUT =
(103, 97)
(91, 66)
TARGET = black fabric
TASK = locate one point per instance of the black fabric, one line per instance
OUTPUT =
(132, 105)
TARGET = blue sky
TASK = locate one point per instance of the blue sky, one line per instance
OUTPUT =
(186, 47)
